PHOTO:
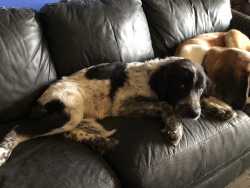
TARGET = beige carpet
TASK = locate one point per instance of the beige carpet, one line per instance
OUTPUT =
(241, 182)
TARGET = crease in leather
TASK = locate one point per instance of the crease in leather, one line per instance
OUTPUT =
(115, 37)
(221, 167)
(202, 142)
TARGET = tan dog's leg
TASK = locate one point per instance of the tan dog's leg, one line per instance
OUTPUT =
(91, 132)
(216, 109)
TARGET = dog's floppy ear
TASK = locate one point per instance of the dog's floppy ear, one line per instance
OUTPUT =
(159, 81)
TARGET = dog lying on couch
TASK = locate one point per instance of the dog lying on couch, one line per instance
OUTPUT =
(169, 88)
(225, 57)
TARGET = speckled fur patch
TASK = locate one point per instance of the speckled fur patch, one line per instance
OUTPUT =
(10, 141)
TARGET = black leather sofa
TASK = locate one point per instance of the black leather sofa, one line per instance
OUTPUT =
(36, 48)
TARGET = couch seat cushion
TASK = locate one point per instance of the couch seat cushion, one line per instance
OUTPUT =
(56, 162)
(143, 158)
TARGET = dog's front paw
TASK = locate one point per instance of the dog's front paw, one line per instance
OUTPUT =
(4, 155)
(219, 114)
(225, 114)
(174, 136)
(173, 130)
(217, 110)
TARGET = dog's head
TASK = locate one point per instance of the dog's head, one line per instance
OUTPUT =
(180, 83)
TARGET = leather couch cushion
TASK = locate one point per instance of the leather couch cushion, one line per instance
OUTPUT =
(172, 21)
(25, 63)
(81, 33)
(143, 158)
(55, 162)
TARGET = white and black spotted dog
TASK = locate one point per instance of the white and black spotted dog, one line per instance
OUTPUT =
(169, 88)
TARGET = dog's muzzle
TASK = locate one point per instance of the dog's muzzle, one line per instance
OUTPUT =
(188, 111)
(189, 107)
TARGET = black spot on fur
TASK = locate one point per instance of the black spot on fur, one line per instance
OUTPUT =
(44, 119)
(116, 72)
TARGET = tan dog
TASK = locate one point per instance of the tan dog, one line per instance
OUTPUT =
(196, 48)
(225, 57)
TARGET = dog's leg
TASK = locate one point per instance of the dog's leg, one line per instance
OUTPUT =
(216, 109)
(10, 141)
(91, 132)
(44, 120)
(173, 126)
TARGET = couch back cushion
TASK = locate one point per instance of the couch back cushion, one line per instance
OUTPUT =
(25, 66)
(81, 33)
(172, 21)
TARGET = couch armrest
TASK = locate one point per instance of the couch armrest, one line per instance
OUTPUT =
(241, 22)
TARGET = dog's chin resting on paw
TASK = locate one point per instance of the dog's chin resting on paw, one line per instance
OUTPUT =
(168, 88)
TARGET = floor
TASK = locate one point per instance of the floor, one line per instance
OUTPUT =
(242, 182)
